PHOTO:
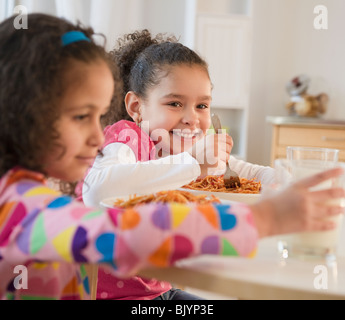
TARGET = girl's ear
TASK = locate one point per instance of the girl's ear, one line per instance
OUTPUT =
(133, 104)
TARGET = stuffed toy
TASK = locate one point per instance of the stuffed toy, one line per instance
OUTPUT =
(303, 104)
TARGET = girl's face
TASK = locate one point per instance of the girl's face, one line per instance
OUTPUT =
(87, 97)
(177, 110)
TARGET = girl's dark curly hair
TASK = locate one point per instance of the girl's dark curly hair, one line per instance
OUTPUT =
(32, 66)
(141, 59)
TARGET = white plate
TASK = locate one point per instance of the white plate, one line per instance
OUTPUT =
(223, 197)
(109, 202)
(248, 198)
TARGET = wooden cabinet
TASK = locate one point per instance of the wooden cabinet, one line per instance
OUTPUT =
(306, 132)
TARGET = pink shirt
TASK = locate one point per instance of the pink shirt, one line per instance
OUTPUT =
(109, 286)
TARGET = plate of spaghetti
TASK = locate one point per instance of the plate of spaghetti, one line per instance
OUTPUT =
(248, 192)
(169, 196)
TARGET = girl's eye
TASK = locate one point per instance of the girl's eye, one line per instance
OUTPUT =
(81, 117)
(175, 104)
(202, 106)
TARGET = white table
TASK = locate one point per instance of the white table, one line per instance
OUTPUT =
(267, 276)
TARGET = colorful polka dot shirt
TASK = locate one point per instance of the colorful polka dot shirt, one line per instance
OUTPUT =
(46, 238)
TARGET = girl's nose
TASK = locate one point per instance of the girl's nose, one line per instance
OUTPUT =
(190, 117)
(97, 136)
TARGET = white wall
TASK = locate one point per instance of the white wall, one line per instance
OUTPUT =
(112, 18)
(166, 16)
(225, 6)
(286, 44)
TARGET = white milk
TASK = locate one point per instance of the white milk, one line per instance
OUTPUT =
(324, 240)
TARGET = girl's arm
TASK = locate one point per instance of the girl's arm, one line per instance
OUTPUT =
(249, 170)
(37, 224)
(117, 173)
(49, 228)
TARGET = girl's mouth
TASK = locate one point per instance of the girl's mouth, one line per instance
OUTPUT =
(186, 134)
(86, 160)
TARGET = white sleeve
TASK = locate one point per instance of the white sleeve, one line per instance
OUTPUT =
(117, 173)
(248, 170)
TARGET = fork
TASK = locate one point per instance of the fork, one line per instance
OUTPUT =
(231, 178)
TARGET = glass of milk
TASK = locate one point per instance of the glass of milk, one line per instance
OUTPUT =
(300, 163)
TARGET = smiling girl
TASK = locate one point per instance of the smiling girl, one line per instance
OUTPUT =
(161, 140)
(167, 96)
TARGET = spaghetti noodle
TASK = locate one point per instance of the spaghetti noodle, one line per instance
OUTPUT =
(171, 196)
(216, 184)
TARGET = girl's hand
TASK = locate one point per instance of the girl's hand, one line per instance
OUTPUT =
(212, 152)
(297, 209)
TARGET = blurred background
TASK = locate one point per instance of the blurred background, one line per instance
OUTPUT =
(253, 47)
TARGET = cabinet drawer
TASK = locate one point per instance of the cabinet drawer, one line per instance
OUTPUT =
(312, 137)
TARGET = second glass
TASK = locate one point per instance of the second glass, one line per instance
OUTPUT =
(302, 162)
